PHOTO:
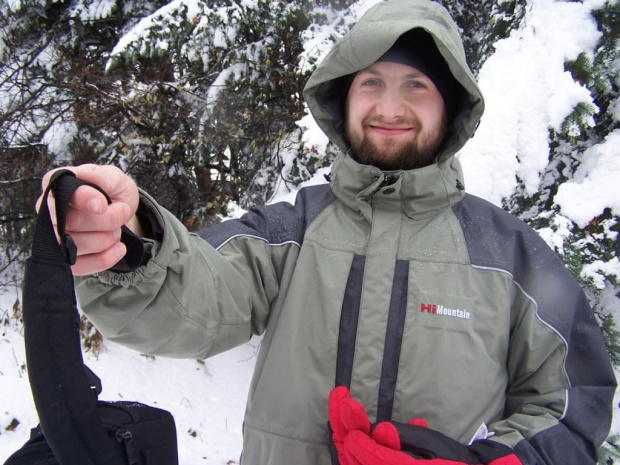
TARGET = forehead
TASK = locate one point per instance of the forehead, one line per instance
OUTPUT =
(391, 69)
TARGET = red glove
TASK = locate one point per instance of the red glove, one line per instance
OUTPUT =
(392, 443)
(345, 415)
(398, 444)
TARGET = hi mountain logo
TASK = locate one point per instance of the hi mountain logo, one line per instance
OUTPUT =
(441, 310)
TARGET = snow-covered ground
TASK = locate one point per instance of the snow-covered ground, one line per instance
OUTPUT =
(206, 398)
(527, 92)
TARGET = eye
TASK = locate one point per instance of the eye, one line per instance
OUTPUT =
(416, 84)
(370, 82)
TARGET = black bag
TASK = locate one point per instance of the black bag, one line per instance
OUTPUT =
(75, 427)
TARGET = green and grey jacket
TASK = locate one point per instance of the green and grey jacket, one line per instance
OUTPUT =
(426, 301)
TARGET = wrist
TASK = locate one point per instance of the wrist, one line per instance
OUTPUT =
(134, 225)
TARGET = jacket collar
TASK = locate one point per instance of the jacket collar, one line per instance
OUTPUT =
(421, 193)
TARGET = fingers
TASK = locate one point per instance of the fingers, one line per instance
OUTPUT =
(113, 181)
(94, 242)
(345, 413)
(97, 237)
(113, 217)
(336, 397)
(386, 434)
(354, 416)
(90, 200)
(364, 450)
(93, 263)
(94, 224)
(339, 432)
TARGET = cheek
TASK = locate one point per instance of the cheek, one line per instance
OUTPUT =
(438, 108)
(355, 113)
(432, 112)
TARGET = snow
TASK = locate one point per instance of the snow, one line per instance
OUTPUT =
(598, 267)
(97, 9)
(595, 185)
(207, 399)
(232, 72)
(554, 237)
(527, 91)
(615, 109)
(319, 38)
(142, 29)
(58, 137)
(313, 138)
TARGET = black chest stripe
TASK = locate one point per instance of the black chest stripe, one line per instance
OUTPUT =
(348, 322)
(393, 341)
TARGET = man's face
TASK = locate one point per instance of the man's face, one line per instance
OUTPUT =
(395, 117)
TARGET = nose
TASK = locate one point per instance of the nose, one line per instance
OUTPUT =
(390, 105)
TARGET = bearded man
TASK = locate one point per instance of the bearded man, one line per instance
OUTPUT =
(441, 329)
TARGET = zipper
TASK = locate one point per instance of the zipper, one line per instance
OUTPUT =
(388, 179)
(124, 406)
(124, 436)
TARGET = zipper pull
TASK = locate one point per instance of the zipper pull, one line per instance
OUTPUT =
(124, 436)
(387, 180)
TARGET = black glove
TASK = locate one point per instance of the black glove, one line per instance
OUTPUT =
(418, 441)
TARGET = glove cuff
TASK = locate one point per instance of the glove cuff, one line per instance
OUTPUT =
(494, 453)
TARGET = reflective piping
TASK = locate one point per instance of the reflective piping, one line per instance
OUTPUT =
(537, 316)
(256, 237)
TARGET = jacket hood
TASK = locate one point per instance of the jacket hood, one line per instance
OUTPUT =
(367, 41)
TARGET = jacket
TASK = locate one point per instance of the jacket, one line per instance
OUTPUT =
(426, 301)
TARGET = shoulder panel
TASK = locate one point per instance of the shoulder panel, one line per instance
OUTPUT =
(277, 224)
(498, 240)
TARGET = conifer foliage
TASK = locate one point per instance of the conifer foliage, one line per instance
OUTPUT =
(589, 250)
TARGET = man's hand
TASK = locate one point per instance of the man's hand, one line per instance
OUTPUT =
(392, 443)
(345, 415)
(92, 223)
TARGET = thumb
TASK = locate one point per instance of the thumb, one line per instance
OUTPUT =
(366, 451)
(112, 180)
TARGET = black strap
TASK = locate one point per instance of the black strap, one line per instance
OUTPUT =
(63, 183)
(62, 392)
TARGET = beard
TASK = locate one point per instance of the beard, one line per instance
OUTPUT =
(418, 152)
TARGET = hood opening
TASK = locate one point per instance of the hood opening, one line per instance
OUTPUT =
(374, 34)
(332, 95)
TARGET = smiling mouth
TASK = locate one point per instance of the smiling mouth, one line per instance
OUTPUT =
(390, 131)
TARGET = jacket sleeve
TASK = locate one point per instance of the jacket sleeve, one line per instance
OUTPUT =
(560, 381)
(561, 385)
(189, 300)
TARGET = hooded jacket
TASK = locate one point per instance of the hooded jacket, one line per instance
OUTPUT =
(426, 301)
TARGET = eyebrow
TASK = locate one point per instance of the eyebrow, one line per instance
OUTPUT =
(413, 74)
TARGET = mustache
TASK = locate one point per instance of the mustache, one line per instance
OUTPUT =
(375, 120)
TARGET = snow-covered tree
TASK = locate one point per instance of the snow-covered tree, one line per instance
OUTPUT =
(52, 87)
(484, 22)
(580, 152)
(574, 206)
